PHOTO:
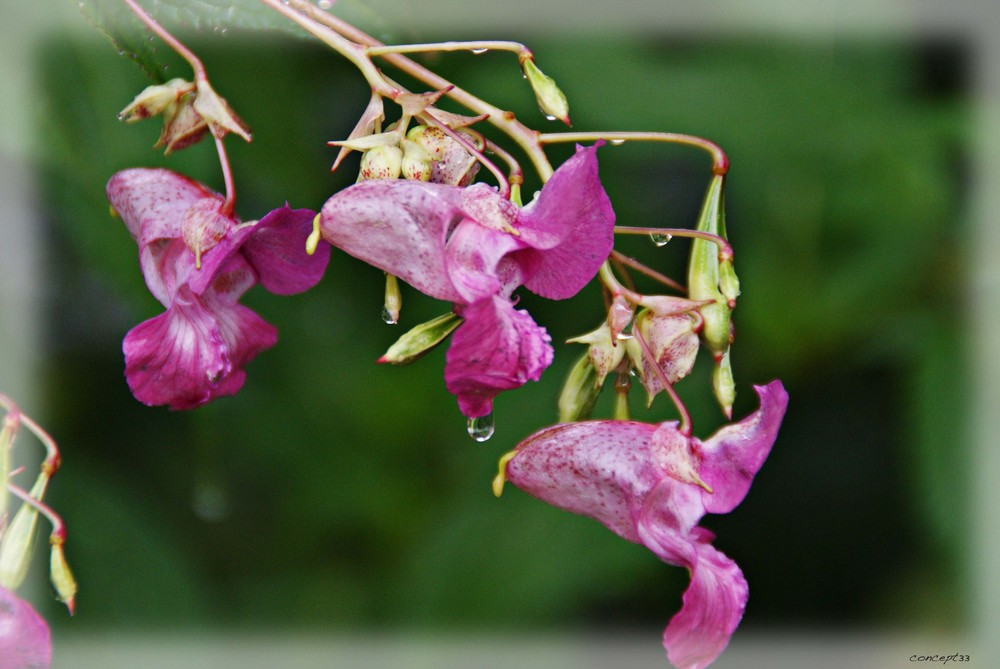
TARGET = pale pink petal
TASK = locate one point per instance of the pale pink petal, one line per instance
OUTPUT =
(673, 342)
(600, 468)
(496, 348)
(25, 640)
(276, 248)
(735, 453)
(399, 226)
(152, 202)
(571, 224)
(193, 353)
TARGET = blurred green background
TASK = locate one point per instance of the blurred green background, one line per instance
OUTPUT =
(336, 493)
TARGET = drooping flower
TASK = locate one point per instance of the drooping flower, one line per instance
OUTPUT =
(25, 640)
(651, 485)
(198, 261)
(473, 247)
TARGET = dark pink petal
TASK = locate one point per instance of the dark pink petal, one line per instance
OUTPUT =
(399, 226)
(25, 640)
(276, 248)
(152, 202)
(496, 348)
(571, 224)
(472, 256)
(194, 352)
(713, 607)
(733, 455)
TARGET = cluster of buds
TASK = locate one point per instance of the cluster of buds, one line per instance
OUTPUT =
(442, 149)
(25, 640)
(657, 337)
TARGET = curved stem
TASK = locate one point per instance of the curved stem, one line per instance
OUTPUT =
(476, 47)
(725, 249)
(628, 261)
(227, 174)
(685, 427)
(467, 145)
(172, 42)
(720, 161)
(505, 121)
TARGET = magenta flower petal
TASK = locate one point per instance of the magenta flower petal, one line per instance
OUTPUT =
(472, 257)
(645, 483)
(25, 640)
(496, 348)
(399, 226)
(571, 224)
(193, 352)
(735, 453)
(713, 606)
(276, 248)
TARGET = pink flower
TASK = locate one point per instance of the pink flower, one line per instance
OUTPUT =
(198, 262)
(473, 247)
(650, 484)
(25, 641)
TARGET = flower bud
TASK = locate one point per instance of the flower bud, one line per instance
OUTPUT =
(421, 339)
(60, 575)
(393, 300)
(723, 385)
(579, 392)
(381, 162)
(673, 344)
(182, 127)
(417, 162)
(704, 271)
(619, 316)
(156, 100)
(604, 352)
(551, 101)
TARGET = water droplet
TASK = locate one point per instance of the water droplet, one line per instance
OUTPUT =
(550, 117)
(660, 239)
(479, 51)
(616, 142)
(325, 4)
(388, 318)
(481, 428)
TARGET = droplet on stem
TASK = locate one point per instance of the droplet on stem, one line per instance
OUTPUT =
(616, 142)
(388, 318)
(325, 4)
(479, 51)
(481, 428)
(659, 238)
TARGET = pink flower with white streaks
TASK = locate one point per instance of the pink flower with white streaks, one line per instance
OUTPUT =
(651, 485)
(198, 261)
(473, 247)
(25, 640)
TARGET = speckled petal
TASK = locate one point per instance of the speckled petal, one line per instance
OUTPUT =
(25, 640)
(496, 348)
(152, 202)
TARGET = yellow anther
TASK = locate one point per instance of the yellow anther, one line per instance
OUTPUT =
(312, 242)
(501, 476)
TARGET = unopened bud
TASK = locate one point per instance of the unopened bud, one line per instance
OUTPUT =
(393, 300)
(604, 353)
(723, 384)
(60, 575)
(182, 127)
(673, 345)
(579, 392)
(421, 339)
(156, 100)
(619, 316)
(431, 138)
(704, 271)
(417, 162)
(382, 162)
(729, 283)
(551, 101)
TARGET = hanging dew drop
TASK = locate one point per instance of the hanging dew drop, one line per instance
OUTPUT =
(660, 239)
(481, 428)
(479, 51)
(325, 4)
(387, 317)
(550, 117)
(616, 142)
